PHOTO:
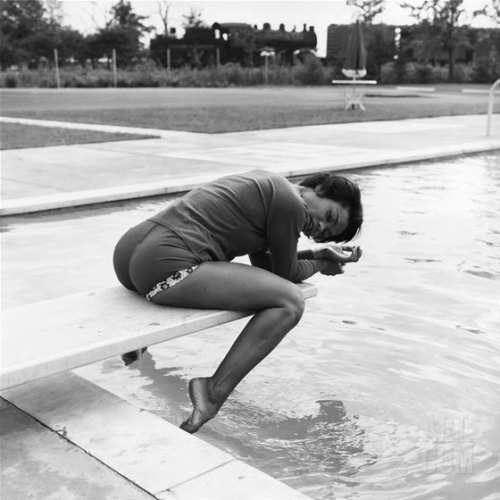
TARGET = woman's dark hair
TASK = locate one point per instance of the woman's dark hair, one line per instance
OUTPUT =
(343, 191)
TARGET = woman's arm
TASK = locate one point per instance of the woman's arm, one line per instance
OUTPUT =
(285, 221)
(262, 259)
(328, 259)
(334, 252)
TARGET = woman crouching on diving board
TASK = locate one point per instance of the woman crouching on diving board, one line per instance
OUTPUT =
(182, 257)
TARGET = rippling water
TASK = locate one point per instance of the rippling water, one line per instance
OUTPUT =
(390, 386)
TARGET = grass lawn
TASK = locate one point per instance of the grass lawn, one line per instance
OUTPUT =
(15, 136)
(232, 109)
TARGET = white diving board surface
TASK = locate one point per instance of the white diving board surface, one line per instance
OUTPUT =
(62, 334)
(354, 82)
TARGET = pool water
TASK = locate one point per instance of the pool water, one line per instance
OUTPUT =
(390, 386)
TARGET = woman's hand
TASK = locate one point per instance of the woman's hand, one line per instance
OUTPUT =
(341, 254)
(332, 269)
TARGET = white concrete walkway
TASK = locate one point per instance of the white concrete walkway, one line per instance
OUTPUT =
(128, 453)
(57, 177)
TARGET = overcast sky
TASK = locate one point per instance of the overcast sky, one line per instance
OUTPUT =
(87, 16)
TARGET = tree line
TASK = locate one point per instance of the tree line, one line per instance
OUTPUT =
(30, 30)
(440, 34)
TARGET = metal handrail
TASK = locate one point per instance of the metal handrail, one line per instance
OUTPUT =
(490, 106)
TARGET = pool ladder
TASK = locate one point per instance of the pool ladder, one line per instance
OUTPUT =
(490, 106)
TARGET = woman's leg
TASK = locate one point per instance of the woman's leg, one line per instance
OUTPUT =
(278, 304)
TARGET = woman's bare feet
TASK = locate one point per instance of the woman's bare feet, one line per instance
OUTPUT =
(204, 409)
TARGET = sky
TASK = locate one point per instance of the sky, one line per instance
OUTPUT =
(87, 16)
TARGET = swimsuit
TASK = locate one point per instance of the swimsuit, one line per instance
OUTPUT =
(149, 258)
(237, 215)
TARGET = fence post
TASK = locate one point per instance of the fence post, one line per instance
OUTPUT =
(168, 60)
(56, 61)
(217, 59)
(114, 68)
(266, 52)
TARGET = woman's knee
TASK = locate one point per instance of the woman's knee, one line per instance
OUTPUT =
(294, 304)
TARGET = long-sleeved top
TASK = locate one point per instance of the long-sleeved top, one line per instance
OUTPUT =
(250, 213)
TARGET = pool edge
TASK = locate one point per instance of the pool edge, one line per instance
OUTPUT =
(146, 450)
(75, 199)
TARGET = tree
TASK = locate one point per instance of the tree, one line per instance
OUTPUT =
(163, 9)
(487, 45)
(440, 23)
(491, 9)
(20, 18)
(122, 32)
(193, 19)
(22, 26)
(367, 9)
(380, 46)
(31, 30)
(123, 15)
(241, 45)
(69, 44)
(98, 14)
(495, 5)
(54, 11)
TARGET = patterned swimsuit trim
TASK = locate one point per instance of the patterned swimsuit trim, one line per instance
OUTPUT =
(170, 282)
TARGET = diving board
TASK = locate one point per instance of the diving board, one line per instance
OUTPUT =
(62, 334)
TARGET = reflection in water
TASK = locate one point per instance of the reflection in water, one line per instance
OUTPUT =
(318, 445)
(164, 384)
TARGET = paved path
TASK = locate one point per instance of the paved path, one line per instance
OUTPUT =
(37, 179)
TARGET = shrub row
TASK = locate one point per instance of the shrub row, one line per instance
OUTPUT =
(310, 72)
(482, 71)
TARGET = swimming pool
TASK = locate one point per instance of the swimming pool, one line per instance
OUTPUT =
(388, 388)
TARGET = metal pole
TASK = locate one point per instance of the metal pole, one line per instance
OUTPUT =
(168, 59)
(217, 52)
(114, 68)
(490, 106)
(56, 61)
(266, 69)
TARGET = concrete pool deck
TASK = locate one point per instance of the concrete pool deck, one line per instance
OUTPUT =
(65, 437)
(37, 179)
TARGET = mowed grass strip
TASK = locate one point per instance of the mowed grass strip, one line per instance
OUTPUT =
(242, 117)
(16, 136)
(218, 110)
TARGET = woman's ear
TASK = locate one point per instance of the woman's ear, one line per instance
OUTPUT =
(319, 191)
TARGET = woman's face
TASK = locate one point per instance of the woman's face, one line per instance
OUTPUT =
(326, 218)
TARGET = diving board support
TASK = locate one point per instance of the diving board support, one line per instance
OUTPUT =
(353, 92)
